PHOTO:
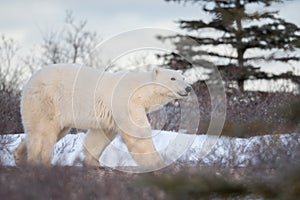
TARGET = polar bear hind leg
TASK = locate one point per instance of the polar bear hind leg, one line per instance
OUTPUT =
(41, 122)
(20, 153)
(40, 142)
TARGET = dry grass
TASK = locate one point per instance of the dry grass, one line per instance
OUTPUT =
(174, 182)
(280, 182)
(70, 183)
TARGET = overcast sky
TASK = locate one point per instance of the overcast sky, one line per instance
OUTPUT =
(24, 20)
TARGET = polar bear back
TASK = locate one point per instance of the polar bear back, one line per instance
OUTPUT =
(78, 91)
(72, 90)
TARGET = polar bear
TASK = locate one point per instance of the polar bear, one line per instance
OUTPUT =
(62, 96)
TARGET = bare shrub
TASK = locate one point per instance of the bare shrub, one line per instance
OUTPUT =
(248, 113)
(6, 143)
(10, 84)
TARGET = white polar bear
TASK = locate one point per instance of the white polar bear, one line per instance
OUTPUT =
(62, 96)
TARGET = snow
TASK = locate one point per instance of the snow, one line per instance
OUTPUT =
(172, 146)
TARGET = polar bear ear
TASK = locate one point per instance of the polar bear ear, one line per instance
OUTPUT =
(155, 72)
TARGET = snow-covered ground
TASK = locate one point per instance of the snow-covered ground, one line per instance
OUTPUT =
(190, 149)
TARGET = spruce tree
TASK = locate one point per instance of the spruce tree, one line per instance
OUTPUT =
(242, 30)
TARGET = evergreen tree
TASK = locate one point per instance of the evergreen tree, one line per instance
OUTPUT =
(242, 30)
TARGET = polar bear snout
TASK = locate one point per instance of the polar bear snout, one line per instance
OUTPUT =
(184, 92)
(188, 89)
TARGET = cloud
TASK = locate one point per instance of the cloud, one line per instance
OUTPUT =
(23, 20)
(289, 10)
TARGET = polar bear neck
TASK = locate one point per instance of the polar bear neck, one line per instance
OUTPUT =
(150, 97)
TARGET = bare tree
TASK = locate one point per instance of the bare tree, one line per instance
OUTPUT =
(9, 71)
(72, 44)
(11, 78)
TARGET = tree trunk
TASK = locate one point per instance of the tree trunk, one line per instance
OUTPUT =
(239, 45)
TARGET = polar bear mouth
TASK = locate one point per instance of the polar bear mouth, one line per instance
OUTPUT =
(182, 94)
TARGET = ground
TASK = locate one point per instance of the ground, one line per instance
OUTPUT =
(174, 182)
(274, 175)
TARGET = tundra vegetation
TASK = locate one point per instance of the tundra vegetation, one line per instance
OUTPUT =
(249, 112)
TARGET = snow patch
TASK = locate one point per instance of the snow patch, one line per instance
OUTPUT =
(190, 149)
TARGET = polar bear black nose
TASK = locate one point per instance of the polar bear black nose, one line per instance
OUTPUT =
(188, 89)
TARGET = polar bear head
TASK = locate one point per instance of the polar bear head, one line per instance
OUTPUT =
(170, 84)
(153, 89)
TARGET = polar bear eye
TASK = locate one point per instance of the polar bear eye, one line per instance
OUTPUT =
(173, 79)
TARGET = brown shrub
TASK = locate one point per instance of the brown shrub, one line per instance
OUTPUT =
(10, 117)
(248, 113)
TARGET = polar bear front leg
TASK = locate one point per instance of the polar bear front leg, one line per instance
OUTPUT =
(95, 143)
(136, 133)
(143, 151)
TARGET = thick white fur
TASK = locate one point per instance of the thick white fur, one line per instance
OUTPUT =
(62, 96)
